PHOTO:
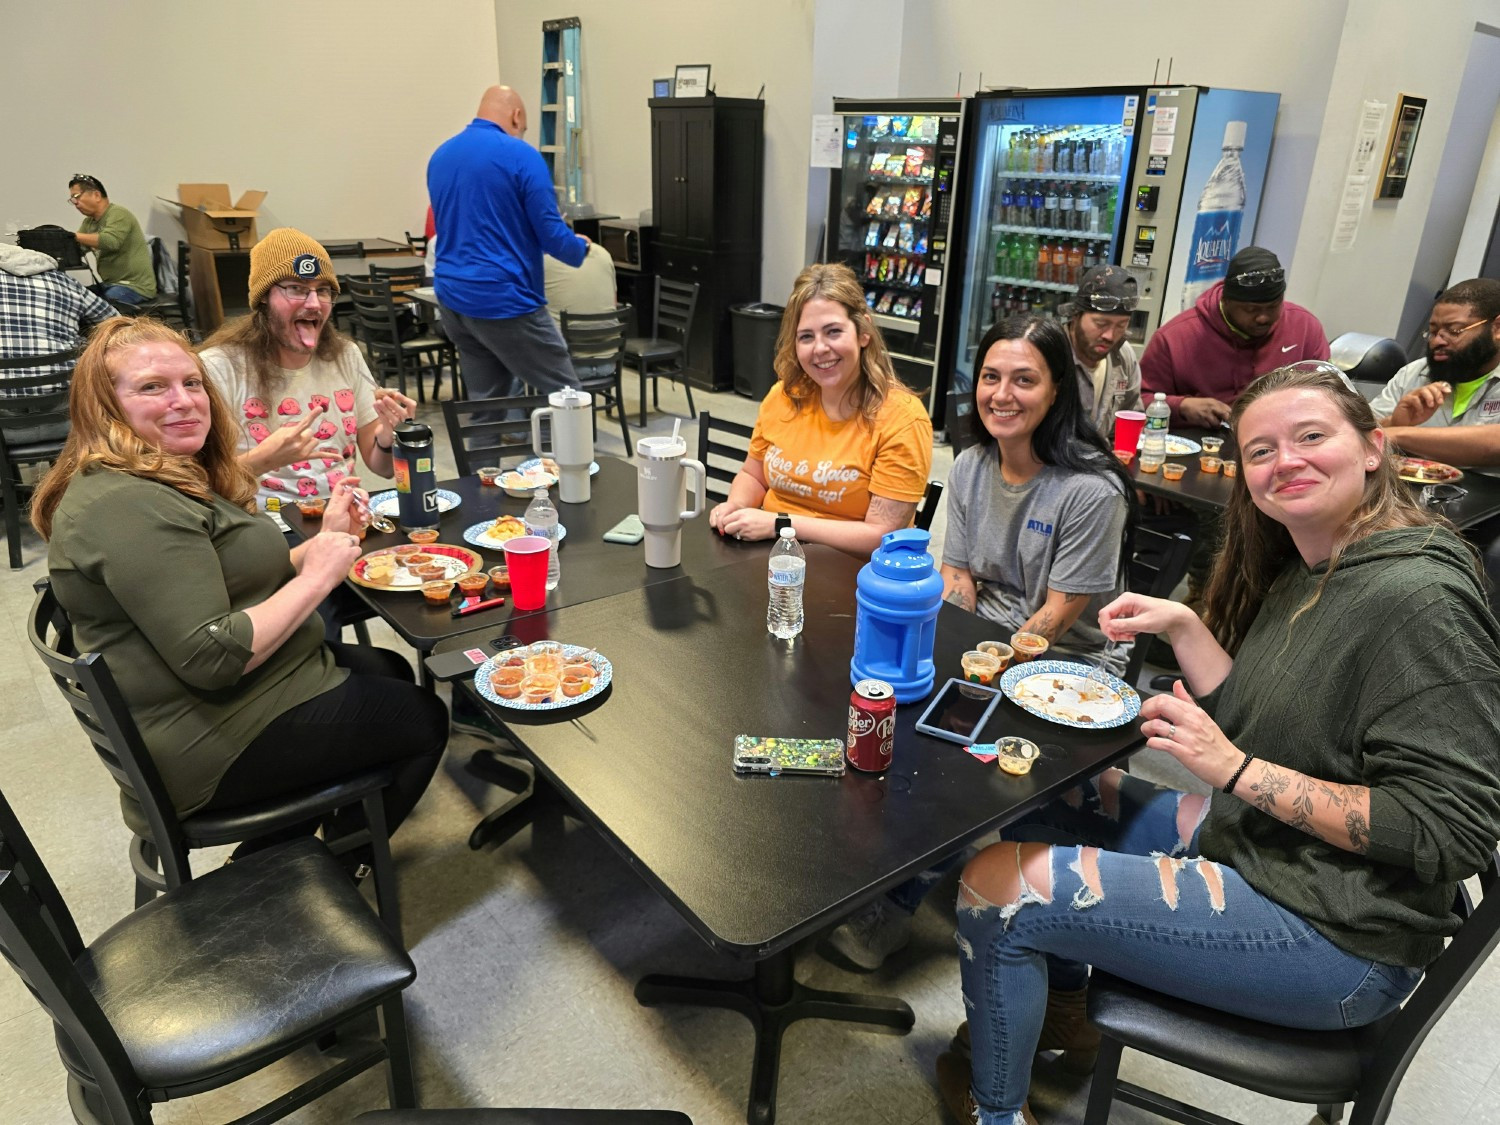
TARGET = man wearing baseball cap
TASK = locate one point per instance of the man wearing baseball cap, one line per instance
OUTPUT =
(1238, 329)
(305, 400)
(1109, 379)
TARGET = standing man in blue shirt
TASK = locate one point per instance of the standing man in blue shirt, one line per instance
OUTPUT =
(497, 214)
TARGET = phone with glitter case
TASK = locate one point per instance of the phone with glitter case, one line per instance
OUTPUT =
(773, 756)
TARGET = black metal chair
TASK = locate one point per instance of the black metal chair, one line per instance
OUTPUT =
(212, 982)
(417, 243)
(1329, 1069)
(929, 506)
(484, 442)
(597, 341)
(722, 447)
(664, 352)
(1160, 562)
(185, 292)
(33, 428)
(344, 249)
(161, 839)
(379, 323)
(523, 1117)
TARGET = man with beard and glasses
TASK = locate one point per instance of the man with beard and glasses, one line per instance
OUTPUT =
(300, 389)
(1444, 407)
(1109, 378)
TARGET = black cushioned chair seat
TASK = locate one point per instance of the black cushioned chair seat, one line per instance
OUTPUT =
(1282, 1062)
(523, 1117)
(35, 441)
(643, 347)
(187, 980)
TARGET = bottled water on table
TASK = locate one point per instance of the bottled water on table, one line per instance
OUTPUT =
(1154, 444)
(786, 574)
(541, 519)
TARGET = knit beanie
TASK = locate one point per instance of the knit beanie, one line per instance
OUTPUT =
(288, 255)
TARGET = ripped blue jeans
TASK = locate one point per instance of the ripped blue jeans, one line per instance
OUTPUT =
(1128, 894)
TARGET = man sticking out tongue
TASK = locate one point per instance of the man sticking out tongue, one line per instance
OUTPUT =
(327, 406)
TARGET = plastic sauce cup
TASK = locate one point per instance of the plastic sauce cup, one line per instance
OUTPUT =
(981, 667)
(437, 592)
(423, 535)
(1028, 646)
(489, 476)
(1231, 468)
(1000, 651)
(1213, 445)
(1173, 470)
(1210, 464)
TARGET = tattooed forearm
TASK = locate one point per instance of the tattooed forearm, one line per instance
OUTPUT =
(1045, 624)
(1339, 814)
(961, 598)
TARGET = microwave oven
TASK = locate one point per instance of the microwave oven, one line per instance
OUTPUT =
(627, 242)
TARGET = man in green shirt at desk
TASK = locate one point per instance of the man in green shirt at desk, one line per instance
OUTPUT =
(111, 232)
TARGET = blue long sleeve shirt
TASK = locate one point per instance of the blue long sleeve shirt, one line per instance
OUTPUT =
(496, 213)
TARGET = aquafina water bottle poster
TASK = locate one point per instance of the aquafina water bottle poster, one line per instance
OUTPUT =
(1221, 190)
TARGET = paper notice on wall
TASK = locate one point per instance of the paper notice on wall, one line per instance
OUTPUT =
(1165, 120)
(1161, 143)
(827, 140)
(1362, 158)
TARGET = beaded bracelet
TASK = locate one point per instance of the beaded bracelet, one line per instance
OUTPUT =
(1235, 776)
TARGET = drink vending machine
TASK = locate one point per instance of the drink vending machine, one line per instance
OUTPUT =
(1165, 181)
(890, 214)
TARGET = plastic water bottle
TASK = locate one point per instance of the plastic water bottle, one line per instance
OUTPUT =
(788, 571)
(1216, 230)
(1154, 444)
(541, 519)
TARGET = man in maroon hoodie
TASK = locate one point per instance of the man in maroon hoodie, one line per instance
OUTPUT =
(1240, 328)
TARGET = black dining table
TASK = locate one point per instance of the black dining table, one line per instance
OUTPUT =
(756, 863)
(1211, 491)
(590, 567)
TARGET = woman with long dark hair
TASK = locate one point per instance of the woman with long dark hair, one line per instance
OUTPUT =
(1341, 699)
(1038, 508)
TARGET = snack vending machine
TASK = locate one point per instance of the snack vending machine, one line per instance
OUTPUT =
(1165, 181)
(889, 219)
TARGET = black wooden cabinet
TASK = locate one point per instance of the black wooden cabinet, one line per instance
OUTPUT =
(707, 172)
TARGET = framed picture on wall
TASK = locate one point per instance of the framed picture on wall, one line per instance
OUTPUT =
(1399, 148)
(691, 81)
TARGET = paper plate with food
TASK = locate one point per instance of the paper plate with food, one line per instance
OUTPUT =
(522, 485)
(545, 676)
(536, 463)
(1062, 691)
(1418, 471)
(494, 533)
(1177, 445)
(385, 503)
(403, 569)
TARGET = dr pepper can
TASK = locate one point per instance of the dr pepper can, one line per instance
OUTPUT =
(872, 725)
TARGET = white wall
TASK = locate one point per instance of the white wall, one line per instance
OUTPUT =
(1388, 47)
(331, 107)
(626, 45)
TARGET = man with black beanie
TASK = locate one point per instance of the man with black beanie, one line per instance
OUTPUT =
(1240, 328)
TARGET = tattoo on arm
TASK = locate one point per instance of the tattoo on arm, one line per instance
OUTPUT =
(1045, 624)
(961, 598)
(1316, 807)
(888, 513)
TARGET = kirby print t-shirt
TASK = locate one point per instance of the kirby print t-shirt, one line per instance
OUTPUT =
(343, 387)
(817, 467)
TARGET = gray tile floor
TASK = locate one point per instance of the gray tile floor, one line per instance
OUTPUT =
(527, 956)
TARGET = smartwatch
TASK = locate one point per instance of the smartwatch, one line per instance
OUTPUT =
(783, 520)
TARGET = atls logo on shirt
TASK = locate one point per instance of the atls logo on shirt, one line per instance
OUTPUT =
(1039, 526)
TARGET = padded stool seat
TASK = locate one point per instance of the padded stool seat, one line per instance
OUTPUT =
(1282, 1062)
(650, 348)
(523, 1117)
(187, 980)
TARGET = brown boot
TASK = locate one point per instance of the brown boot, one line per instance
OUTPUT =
(1065, 1028)
(954, 1079)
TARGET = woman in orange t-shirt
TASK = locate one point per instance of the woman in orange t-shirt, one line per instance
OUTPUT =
(841, 450)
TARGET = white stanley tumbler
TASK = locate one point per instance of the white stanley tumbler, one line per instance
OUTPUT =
(572, 414)
(662, 496)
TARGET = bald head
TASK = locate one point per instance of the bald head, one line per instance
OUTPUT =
(504, 107)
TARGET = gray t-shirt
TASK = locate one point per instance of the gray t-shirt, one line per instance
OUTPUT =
(1061, 529)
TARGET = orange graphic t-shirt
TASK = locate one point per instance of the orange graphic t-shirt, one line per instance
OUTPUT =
(815, 466)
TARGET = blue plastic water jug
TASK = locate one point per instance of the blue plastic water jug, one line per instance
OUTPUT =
(899, 594)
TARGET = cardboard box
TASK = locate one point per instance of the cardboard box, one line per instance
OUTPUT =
(211, 221)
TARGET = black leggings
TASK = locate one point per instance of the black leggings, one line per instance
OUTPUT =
(377, 716)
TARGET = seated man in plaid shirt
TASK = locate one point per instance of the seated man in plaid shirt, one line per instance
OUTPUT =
(42, 311)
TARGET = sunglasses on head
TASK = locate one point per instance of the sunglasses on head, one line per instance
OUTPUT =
(1254, 279)
(1107, 303)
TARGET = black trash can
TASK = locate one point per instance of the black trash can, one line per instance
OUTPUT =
(754, 327)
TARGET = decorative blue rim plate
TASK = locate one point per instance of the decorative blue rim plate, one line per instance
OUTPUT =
(476, 536)
(536, 463)
(1062, 704)
(386, 504)
(601, 662)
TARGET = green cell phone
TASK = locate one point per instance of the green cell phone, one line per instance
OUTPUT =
(628, 530)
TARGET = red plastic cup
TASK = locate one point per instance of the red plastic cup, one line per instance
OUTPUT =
(1128, 427)
(526, 557)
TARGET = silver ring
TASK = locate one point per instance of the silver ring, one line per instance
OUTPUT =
(1171, 730)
